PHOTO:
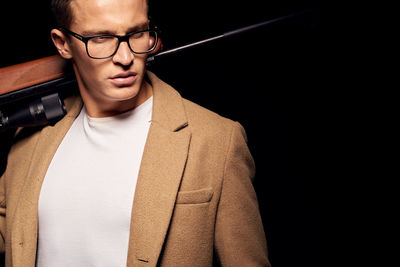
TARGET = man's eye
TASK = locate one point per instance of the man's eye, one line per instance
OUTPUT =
(102, 39)
(138, 35)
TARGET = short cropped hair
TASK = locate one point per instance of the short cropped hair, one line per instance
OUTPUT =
(63, 14)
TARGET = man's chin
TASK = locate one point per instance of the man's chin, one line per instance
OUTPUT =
(123, 94)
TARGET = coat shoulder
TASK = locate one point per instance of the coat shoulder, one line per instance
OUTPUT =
(207, 121)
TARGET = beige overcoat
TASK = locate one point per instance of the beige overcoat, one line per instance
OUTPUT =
(194, 199)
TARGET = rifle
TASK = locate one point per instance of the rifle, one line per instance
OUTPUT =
(32, 93)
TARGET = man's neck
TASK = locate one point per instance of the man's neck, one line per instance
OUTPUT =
(99, 108)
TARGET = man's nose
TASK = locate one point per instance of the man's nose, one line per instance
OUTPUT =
(124, 55)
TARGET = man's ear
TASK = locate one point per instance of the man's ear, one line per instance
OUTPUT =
(61, 42)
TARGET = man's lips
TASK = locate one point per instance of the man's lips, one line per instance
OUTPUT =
(124, 78)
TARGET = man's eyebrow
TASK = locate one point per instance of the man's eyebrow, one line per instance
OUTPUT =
(90, 33)
(142, 26)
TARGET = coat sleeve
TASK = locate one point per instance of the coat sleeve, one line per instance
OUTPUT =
(2, 214)
(6, 141)
(239, 233)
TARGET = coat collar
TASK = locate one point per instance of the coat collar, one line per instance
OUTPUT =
(160, 174)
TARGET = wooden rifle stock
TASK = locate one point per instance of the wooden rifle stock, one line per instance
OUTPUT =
(31, 73)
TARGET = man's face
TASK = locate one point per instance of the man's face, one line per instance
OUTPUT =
(118, 79)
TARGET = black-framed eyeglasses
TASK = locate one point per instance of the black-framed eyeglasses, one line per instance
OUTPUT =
(106, 45)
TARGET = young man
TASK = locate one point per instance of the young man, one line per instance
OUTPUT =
(134, 175)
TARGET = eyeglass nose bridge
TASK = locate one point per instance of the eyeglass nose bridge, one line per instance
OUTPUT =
(121, 39)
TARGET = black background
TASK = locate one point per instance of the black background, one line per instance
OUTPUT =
(267, 79)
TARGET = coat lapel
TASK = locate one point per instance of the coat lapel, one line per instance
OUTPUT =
(160, 175)
(25, 226)
(158, 182)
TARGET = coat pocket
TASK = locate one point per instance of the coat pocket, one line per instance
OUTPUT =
(195, 197)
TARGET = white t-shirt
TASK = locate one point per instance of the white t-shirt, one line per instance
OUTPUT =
(86, 198)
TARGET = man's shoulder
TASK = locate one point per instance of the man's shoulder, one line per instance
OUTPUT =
(206, 121)
(201, 114)
(199, 118)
